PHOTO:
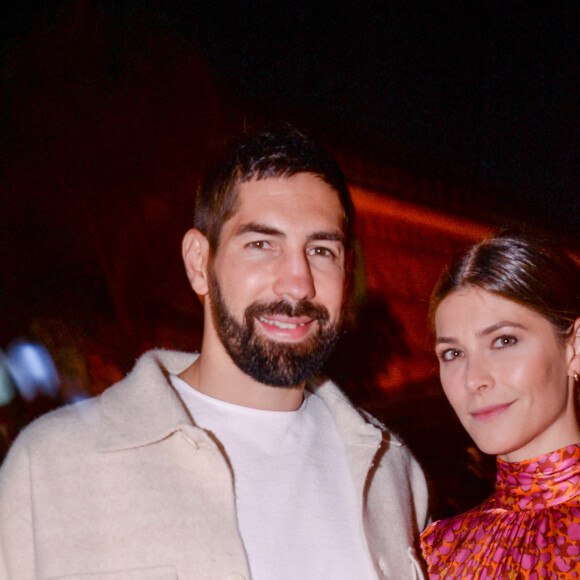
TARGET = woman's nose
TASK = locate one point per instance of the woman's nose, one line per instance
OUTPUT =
(477, 374)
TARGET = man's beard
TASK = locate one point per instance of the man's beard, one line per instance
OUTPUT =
(270, 362)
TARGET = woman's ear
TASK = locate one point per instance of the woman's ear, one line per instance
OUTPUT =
(574, 363)
(195, 252)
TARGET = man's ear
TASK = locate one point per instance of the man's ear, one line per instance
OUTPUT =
(574, 363)
(195, 252)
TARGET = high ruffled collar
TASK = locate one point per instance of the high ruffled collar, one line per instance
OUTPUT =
(541, 482)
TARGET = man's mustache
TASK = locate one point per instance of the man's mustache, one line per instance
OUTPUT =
(285, 308)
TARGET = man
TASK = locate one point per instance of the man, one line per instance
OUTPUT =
(235, 463)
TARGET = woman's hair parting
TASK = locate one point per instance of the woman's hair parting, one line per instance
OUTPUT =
(529, 270)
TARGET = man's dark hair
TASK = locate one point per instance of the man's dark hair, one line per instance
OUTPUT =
(279, 152)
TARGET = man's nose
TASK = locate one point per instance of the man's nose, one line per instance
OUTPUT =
(294, 280)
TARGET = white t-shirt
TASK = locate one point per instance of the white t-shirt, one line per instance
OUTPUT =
(298, 512)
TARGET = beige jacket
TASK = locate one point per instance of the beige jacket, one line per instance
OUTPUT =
(125, 486)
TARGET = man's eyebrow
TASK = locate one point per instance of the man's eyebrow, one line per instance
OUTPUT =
(484, 331)
(333, 236)
(255, 228)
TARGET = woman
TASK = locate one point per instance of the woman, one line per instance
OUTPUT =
(507, 323)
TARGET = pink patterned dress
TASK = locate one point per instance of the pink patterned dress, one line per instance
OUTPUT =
(528, 529)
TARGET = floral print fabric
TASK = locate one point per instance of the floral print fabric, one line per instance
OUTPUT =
(529, 529)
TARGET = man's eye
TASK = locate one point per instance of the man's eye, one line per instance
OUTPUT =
(323, 252)
(503, 341)
(259, 245)
(450, 354)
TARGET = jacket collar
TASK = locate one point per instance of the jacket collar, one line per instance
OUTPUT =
(365, 439)
(144, 408)
(356, 426)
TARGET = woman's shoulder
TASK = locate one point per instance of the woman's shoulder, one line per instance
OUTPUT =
(447, 531)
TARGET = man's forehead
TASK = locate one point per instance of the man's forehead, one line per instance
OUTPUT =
(283, 192)
(278, 181)
(255, 204)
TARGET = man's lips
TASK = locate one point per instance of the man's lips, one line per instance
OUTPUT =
(285, 323)
(489, 413)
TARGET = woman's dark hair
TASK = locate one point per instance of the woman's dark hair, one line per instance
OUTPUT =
(279, 152)
(529, 270)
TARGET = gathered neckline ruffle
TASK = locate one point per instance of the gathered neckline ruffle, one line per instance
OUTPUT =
(541, 482)
(529, 528)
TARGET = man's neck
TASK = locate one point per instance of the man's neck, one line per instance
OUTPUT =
(220, 378)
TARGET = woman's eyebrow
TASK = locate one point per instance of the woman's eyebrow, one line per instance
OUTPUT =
(445, 339)
(484, 331)
(501, 324)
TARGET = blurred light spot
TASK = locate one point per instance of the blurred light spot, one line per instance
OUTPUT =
(32, 369)
(76, 398)
(7, 391)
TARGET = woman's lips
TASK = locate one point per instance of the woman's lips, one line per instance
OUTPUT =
(485, 414)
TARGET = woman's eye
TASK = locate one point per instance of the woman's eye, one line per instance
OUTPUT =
(450, 354)
(503, 341)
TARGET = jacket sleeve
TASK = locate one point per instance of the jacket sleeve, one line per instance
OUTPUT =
(16, 520)
(420, 495)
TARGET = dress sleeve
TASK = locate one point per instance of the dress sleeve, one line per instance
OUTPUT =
(427, 539)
